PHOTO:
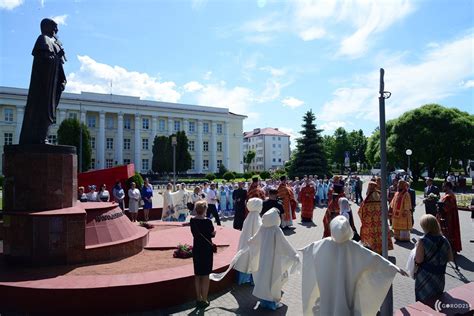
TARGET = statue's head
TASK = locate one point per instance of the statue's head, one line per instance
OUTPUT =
(48, 27)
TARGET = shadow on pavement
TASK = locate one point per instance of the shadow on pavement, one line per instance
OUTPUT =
(416, 232)
(405, 244)
(307, 224)
(288, 231)
(464, 263)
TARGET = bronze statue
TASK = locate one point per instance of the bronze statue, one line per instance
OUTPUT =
(46, 85)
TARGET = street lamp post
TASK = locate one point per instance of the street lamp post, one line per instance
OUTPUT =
(80, 138)
(174, 142)
(408, 152)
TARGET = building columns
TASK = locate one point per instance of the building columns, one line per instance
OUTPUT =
(101, 143)
(82, 116)
(138, 144)
(62, 117)
(170, 126)
(226, 160)
(119, 149)
(198, 148)
(213, 148)
(20, 111)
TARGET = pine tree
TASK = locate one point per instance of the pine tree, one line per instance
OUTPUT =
(183, 157)
(162, 155)
(310, 157)
(69, 134)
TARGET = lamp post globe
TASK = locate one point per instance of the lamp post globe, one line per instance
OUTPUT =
(408, 152)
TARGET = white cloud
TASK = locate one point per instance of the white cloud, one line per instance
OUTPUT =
(10, 4)
(97, 77)
(467, 84)
(292, 102)
(434, 77)
(42, 3)
(275, 72)
(352, 23)
(207, 75)
(60, 19)
(268, 24)
(259, 38)
(312, 33)
(193, 86)
(331, 126)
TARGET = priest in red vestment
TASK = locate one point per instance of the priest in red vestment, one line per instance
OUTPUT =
(287, 197)
(449, 218)
(254, 191)
(306, 197)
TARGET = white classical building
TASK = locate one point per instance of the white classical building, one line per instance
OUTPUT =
(272, 148)
(123, 128)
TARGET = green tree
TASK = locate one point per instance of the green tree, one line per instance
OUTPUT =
(222, 170)
(183, 157)
(438, 136)
(358, 146)
(162, 155)
(228, 176)
(310, 157)
(248, 158)
(69, 134)
(341, 145)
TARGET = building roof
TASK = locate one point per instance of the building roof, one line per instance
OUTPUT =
(267, 131)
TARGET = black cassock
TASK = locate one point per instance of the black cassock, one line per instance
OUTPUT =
(239, 196)
(46, 85)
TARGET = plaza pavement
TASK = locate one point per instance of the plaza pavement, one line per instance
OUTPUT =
(239, 299)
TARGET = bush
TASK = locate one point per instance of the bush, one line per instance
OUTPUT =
(2, 179)
(265, 175)
(247, 175)
(229, 176)
(210, 177)
(137, 178)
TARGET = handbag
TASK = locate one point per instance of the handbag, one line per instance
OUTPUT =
(213, 245)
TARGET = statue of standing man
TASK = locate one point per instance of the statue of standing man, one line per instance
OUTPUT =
(46, 85)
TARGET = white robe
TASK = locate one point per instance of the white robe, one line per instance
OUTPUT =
(252, 223)
(180, 200)
(272, 258)
(167, 203)
(341, 277)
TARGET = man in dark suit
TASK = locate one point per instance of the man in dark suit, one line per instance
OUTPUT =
(430, 204)
(412, 194)
(239, 196)
(272, 202)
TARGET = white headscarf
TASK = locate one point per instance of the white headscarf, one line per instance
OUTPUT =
(344, 207)
(341, 277)
(272, 258)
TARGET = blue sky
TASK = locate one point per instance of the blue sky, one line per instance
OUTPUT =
(270, 60)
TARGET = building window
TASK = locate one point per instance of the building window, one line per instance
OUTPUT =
(191, 145)
(126, 161)
(110, 143)
(145, 165)
(279, 138)
(205, 128)
(219, 146)
(91, 121)
(52, 139)
(219, 128)
(219, 163)
(279, 159)
(92, 142)
(8, 138)
(109, 163)
(192, 164)
(205, 164)
(205, 146)
(279, 145)
(192, 127)
(145, 123)
(127, 123)
(73, 115)
(273, 138)
(274, 160)
(161, 125)
(274, 145)
(144, 143)
(177, 126)
(126, 143)
(92, 163)
(109, 122)
(8, 115)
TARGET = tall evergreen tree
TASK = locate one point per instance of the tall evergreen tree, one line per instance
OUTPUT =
(183, 157)
(310, 157)
(162, 155)
(69, 134)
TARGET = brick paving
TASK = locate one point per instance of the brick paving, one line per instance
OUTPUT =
(239, 299)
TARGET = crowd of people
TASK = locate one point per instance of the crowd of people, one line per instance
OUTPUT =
(280, 200)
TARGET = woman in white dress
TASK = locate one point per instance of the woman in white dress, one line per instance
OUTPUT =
(134, 201)
(167, 203)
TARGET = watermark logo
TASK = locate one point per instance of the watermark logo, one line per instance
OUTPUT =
(452, 307)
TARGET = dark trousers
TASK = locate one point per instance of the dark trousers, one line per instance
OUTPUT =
(211, 209)
(359, 196)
